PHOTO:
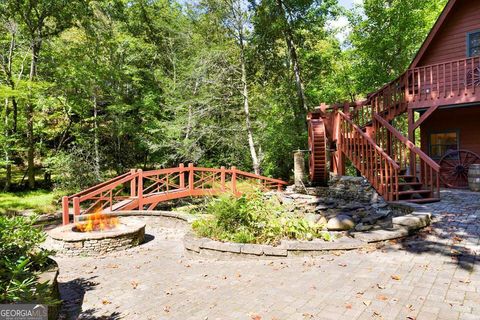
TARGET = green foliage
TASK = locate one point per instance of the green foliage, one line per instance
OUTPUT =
(73, 171)
(143, 84)
(40, 201)
(21, 259)
(254, 218)
(385, 37)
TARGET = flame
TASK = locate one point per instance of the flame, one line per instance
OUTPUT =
(97, 221)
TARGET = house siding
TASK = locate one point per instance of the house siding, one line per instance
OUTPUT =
(450, 43)
(461, 119)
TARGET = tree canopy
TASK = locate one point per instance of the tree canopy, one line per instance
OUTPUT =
(93, 88)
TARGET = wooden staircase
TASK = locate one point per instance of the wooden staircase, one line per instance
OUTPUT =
(396, 168)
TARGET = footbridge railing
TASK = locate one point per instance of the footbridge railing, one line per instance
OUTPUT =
(144, 190)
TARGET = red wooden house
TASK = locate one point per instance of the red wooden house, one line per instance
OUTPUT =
(439, 96)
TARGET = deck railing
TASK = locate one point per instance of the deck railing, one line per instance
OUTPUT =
(139, 189)
(451, 80)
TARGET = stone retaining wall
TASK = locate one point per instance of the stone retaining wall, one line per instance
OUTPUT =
(402, 226)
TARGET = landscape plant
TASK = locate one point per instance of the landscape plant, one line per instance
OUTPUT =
(254, 218)
(21, 261)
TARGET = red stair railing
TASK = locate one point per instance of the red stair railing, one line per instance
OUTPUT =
(376, 165)
(416, 164)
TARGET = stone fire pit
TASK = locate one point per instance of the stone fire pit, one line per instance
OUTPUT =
(67, 240)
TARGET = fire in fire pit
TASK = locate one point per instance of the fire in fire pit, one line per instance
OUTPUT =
(97, 221)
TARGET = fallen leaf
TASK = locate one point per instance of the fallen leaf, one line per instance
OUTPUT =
(105, 301)
(454, 252)
(307, 315)
(367, 302)
(457, 239)
(380, 286)
(410, 307)
(382, 297)
(342, 264)
(396, 277)
(256, 317)
(112, 266)
(348, 306)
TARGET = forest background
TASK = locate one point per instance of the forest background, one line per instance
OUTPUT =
(90, 89)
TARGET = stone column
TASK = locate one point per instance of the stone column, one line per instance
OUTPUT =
(299, 168)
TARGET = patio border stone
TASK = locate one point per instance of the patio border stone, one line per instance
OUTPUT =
(403, 226)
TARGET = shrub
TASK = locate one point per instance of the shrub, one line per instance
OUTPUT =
(253, 218)
(21, 259)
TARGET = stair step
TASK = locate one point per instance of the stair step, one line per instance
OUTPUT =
(409, 183)
(413, 192)
(406, 177)
(424, 200)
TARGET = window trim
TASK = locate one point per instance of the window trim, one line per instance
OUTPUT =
(469, 34)
(457, 131)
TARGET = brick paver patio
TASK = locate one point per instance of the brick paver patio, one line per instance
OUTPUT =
(433, 275)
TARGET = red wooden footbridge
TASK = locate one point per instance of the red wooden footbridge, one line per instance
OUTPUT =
(144, 190)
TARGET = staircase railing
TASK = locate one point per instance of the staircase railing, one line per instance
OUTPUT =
(411, 159)
(375, 164)
(139, 189)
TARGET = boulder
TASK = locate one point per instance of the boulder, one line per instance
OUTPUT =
(340, 223)
(322, 221)
(352, 206)
(313, 218)
(321, 207)
(363, 227)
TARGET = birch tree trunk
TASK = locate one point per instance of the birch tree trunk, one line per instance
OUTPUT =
(246, 107)
(96, 139)
(239, 22)
(8, 166)
(292, 52)
(36, 44)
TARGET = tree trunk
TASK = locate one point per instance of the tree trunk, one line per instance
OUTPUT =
(30, 118)
(287, 31)
(96, 139)
(246, 107)
(8, 166)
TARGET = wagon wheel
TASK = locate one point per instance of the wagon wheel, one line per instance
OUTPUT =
(454, 167)
(473, 77)
(317, 144)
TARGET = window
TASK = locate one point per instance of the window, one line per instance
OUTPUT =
(442, 142)
(473, 44)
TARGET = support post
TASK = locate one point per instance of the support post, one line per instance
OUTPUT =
(338, 156)
(234, 180)
(191, 177)
(65, 211)
(182, 175)
(411, 137)
(140, 189)
(299, 169)
(133, 186)
(76, 208)
(222, 178)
